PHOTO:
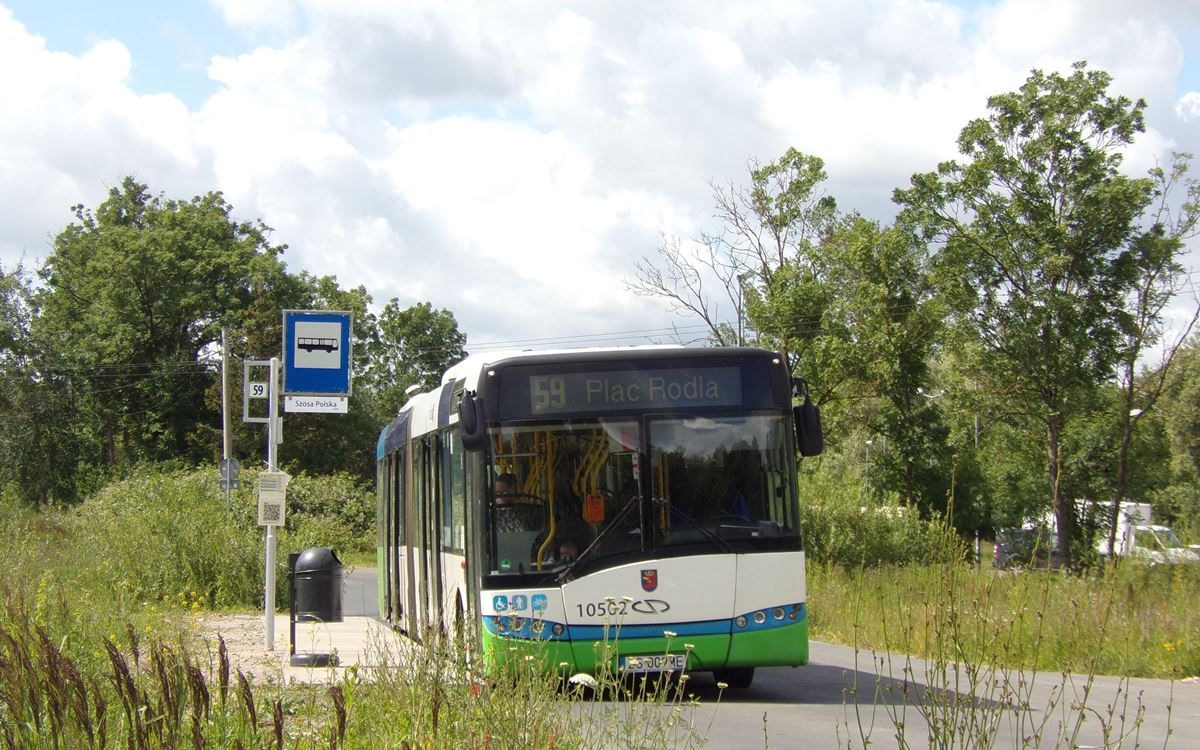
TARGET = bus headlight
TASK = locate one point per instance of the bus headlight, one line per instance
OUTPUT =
(557, 629)
(760, 617)
(778, 613)
(741, 621)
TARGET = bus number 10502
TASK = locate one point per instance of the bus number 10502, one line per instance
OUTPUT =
(603, 608)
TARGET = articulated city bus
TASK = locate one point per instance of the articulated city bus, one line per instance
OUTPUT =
(641, 498)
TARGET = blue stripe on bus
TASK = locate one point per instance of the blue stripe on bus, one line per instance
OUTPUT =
(597, 632)
(502, 625)
(443, 418)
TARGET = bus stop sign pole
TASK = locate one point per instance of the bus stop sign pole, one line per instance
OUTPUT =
(272, 457)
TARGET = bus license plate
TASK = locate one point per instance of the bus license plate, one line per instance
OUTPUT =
(654, 663)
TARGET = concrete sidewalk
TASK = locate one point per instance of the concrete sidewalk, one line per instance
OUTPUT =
(357, 641)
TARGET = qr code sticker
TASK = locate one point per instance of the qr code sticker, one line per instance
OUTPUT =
(270, 513)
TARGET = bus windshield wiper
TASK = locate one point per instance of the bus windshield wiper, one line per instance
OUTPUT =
(565, 576)
(706, 532)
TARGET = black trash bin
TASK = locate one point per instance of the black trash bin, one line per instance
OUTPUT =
(318, 576)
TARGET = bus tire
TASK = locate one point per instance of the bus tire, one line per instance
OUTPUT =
(738, 678)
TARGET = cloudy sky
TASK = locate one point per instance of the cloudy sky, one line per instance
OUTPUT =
(441, 149)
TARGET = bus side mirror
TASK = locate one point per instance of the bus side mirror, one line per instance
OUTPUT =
(807, 416)
(471, 423)
(809, 437)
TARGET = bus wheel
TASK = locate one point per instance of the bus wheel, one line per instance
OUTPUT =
(735, 677)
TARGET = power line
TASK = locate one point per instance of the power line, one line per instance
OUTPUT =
(589, 338)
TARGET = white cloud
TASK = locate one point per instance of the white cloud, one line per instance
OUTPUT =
(443, 149)
(1188, 106)
(71, 127)
(256, 13)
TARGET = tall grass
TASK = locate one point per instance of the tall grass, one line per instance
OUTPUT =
(148, 549)
(95, 652)
(437, 695)
(1134, 620)
(958, 649)
(158, 694)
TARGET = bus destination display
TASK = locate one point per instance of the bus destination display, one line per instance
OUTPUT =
(635, 389)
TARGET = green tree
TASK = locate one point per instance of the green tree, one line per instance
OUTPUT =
(133, 301)
(776, 226)
(1179, 413)
(766, 263)
(415, 346)
(1035, 257)
(885, 322)
(1160, 277)
(45, 455)
(844, 299)
(15, 313)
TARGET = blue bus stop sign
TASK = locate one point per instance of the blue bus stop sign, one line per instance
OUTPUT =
(316, 353)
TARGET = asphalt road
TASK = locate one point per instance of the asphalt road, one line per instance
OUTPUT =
(358, 592)
(814, 707)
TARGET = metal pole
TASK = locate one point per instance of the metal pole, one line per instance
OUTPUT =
(226, 438)
(741, 301)
(272, 449)
(292, 558)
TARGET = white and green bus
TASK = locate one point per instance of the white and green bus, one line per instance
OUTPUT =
(644, 498)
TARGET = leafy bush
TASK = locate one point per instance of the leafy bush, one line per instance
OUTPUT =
(331, 511)
(155, 536)
(872, 536)
(844, 525)
(170, 536)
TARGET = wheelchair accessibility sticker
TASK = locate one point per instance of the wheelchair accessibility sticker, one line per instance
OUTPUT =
(503, 603)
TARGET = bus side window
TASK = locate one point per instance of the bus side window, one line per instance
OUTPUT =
(453, 492)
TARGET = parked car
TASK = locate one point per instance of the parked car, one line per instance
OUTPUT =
(1024, 548)
(1158, 544)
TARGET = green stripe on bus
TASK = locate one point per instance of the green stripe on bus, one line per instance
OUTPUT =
(786, 646)
(548, 656)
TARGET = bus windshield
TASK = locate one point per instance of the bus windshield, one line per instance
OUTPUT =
(722, 479)
(713, 484)
(556, 488)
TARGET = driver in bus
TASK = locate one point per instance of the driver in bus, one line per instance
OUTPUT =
(505, 492)
(567, 552)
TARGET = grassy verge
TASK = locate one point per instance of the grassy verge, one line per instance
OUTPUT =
(1136, 620)
(98, 650)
